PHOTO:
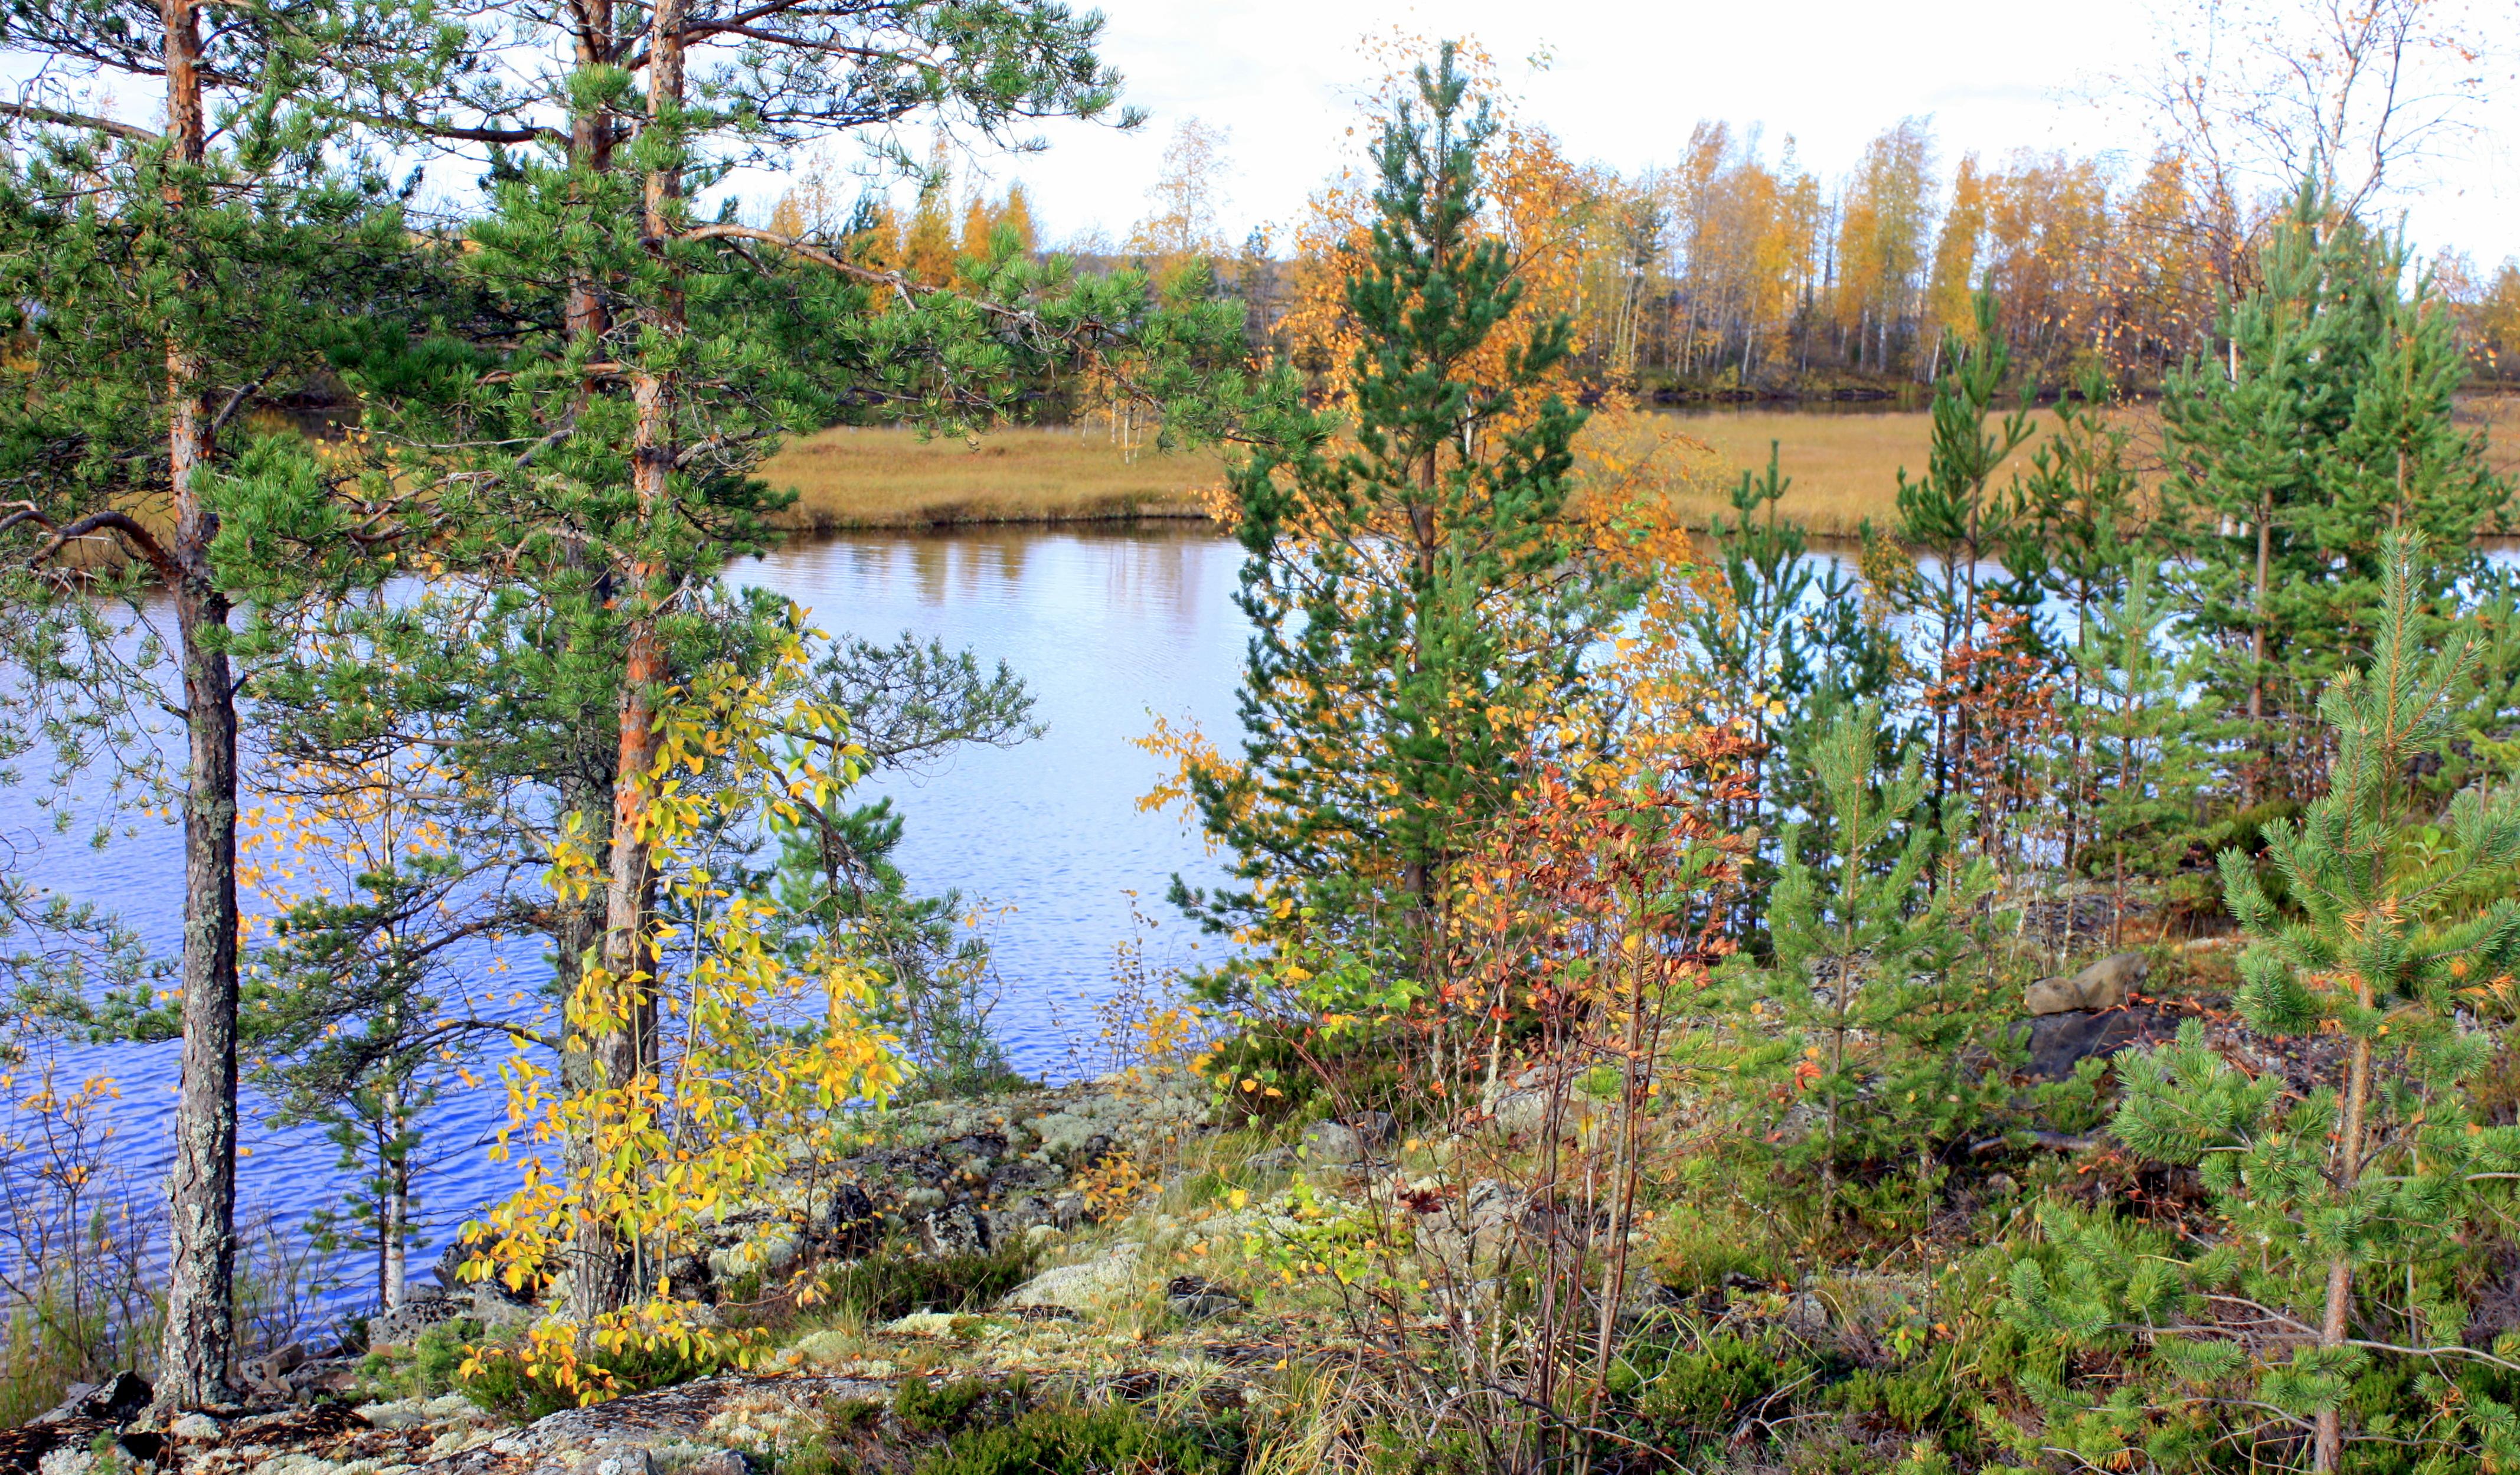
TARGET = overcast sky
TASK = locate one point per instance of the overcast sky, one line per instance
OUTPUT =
(1625, 82)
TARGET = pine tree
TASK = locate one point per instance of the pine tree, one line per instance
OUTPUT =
(2344, 1209)
(1754, 638)
(2080, 539)
(2139, 751)
(1420, 597)
(1788, 646)
(343, 1023)
(1955, 513)
(2080, 501)
(593, 457)
(2324, 425)
(1871, 1014)
(909, 703)
(163, 289)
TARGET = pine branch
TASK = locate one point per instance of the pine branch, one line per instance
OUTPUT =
(140, 538)
(35, 113)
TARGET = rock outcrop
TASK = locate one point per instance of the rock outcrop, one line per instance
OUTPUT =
(2103, 985)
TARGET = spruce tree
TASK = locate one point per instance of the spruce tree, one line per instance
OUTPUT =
(2344, 1210)
(1420, 597)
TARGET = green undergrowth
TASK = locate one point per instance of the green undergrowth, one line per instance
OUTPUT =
(426, 1368)
(505, 1384)
(972, 1426)
(896, 1282)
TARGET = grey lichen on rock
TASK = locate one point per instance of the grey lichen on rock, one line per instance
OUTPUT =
(1089, 1286)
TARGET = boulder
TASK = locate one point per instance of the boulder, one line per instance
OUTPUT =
(2061, 1042)
(1014, 1223)
(765, 1249)
(667, 1429)
(1333, 1144)
(2103, 985)
(849, 1221)
(954, 1231)
(1194, 1298)
(30, 1449)
(270, 1373)
(1271, 1160)
(1525, 1112)
(618, 1460)
(118, 1400)
(1348, 1146)
(1519, 1113)
(1084, 1287)
(405, 1323)
(1467, 1236)
(1522, 1106)
(1377, 1130)
(492, 1306)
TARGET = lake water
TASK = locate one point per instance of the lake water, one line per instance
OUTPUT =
(1107, 628)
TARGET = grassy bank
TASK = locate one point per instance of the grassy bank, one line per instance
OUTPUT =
(1845, 468)
(885, 477)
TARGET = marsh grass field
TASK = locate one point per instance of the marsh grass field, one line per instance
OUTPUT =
(1844, 466)
(881, 476)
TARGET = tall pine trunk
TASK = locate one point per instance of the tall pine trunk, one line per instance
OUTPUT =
(601, 1269)
(198, 1348)
(608, 1277)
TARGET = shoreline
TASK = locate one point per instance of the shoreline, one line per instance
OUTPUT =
(822, 528)
(960, 520)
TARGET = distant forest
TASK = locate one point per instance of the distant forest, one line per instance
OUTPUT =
(1742, 271)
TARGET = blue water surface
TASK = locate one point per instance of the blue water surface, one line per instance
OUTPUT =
(1109, 628)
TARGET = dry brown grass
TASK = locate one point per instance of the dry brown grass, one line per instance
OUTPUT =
(886, 477)
(1844, 466)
